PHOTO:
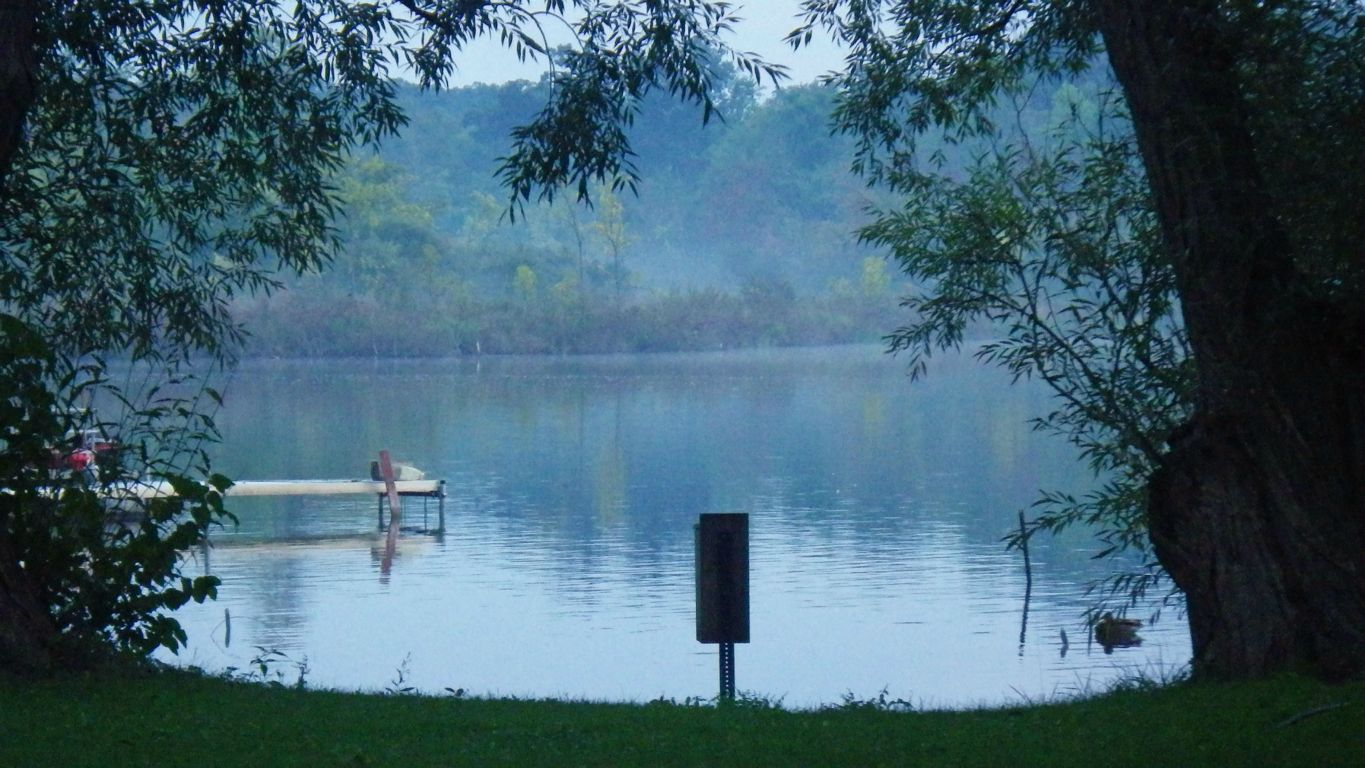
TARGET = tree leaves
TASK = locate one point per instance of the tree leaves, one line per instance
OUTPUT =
(625, 51)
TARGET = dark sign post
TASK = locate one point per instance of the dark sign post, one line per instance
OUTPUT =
(722, 567)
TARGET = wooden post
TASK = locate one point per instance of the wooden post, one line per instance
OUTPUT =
(441, 507)
(395, 511)
(1028, 582)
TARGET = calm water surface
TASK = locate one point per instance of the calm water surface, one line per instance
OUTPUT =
(876, 508)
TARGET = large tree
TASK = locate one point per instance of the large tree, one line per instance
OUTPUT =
(1246, 117)
(158, 158)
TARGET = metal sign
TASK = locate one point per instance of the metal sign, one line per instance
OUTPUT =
(722, 573)
(722, 566)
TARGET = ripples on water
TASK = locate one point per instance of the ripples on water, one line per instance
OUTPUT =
(877, 508)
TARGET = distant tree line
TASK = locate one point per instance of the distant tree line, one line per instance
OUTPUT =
(741, 235)
(558, 319)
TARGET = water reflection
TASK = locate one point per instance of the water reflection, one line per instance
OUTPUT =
(877, 508)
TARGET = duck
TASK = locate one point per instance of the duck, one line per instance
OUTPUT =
(1113, 632)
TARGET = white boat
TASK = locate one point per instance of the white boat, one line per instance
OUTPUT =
(400, 472)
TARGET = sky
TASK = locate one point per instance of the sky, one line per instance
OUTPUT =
(765, 23)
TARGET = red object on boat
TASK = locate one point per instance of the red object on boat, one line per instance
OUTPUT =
(81, 459)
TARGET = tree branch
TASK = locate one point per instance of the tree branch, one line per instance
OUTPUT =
(463, 10)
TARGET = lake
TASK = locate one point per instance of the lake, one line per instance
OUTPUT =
(877, 507)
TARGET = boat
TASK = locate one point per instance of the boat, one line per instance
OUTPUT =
(401, 471)
(83, 451)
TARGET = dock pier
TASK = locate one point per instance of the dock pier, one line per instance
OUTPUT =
(429, 489)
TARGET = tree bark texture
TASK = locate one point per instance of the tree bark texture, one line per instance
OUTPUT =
(1258, 511)
(27, 632)
(17, 19)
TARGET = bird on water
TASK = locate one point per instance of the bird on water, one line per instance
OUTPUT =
(1113, 632)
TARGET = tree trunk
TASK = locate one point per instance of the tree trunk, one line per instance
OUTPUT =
(1258, 512)
(17, 18)
(27, 632)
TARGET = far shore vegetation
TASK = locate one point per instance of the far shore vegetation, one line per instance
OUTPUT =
(763, 315)
(723, 245)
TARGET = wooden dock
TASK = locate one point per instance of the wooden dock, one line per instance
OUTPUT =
(242, 488)
(117, 495)
(431, 489)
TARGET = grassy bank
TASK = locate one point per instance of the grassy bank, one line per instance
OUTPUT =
(181, 720)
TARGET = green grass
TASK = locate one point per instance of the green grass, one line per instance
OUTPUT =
(177, 719)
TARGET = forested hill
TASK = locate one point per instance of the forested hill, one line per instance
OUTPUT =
(742, 233)
(764, 192)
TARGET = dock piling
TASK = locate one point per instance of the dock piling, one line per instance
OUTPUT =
(395, 511)
(441, 507)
